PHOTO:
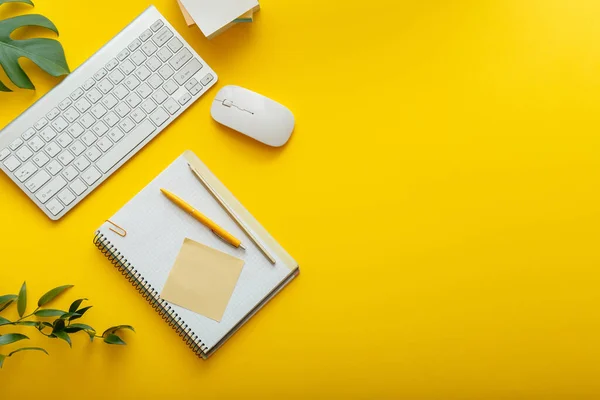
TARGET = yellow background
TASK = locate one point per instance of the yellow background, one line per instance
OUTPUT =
(440, 193)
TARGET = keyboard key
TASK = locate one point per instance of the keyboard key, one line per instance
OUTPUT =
(60, 124)
(109, 101)
(75, 130)
(133, 100)
(40, 124)
(105, 86)
(126, 124)
(144, 90)
(41, 159)
(149, 48)
(100, 74)
(77, 93)
(36, 144)
(54, 167)
(155, 81)
(89, 84)
(123, 54)
(146, 35)
(100, 128)
(54, 207)
(66, 157)
(126, 145)
(112, 64)
(91, 175)
(185, 98)
(89, 138)
(166, 72)
(23, 173)
(122, 109)
(99, 111)
(115, 135)
(65, 103)
(78, 187)
(171, 106)
(4, 153)
(127, 67)
(87, 120)
(207, 79)
(51, 189)
(170, 87)
(138, 115)
(156, 26)
(132, 82)
(104, 144)
(82, 163)
(162, 36)
(37, 181)
(94, 95)
(12, 163)
(70, 173)
(191, 83)
(159, 96)
(116, 76)
(196, 89)
(180, 59)
(64, 140)
(24, 153)
(159, 117)
(48, 134)
(52, 114)
(175, 44)
(121, 92)
(111, 119)
(16, 144)
(28, 134)
(77, 148)
(153, 63)
(164, 54)
(66, 197)
(134, 45)
(148, 105)
(93, 153)
(138, 58)
(187, 72)
(142, 73)
(52, 149)
(71, 114)
(82, 105)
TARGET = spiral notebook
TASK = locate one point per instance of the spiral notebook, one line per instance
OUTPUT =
(143, 240)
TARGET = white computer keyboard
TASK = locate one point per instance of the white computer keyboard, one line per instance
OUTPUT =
(66, 144)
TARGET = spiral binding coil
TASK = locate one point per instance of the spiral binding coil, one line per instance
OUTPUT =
(161, 306)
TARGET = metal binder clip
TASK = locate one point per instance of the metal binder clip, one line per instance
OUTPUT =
(121, 232)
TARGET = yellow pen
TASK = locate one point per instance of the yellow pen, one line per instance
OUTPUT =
(217, 230)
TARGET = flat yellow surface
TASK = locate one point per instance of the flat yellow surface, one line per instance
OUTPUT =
(440, 193)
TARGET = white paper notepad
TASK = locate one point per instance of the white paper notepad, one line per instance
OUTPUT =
(156, 230)
(213, 15)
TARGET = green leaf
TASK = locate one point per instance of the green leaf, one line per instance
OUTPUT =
(27, 349)
(2, 357)
(4, 321)
(75, 305)
(28, 323)
(49, 313)
(59, 325)
(7, 297)
(52, 294)
(70, 315)
(64, 336)
(48, 54)
(16, 1)
(114, 339)
(11, 338)
(80, 312)
(8, 303)
(113, 329)
(79, 327)
(22, 301)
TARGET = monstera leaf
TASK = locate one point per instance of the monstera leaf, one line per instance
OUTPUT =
(48, 54)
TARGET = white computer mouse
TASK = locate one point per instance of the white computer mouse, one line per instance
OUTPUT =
(253, 115)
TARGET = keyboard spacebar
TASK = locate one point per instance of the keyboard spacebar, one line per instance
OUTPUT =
(129, 142)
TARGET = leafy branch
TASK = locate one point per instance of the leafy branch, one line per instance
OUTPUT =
(62, 326)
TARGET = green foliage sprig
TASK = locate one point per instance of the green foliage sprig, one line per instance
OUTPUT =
(61, 328)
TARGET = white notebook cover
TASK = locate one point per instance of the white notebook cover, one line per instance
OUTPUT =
(156, 229)
(212, 15)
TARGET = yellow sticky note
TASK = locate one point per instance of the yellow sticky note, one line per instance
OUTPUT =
(202, 279)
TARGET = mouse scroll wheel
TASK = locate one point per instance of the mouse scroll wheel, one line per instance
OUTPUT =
(227, 103)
